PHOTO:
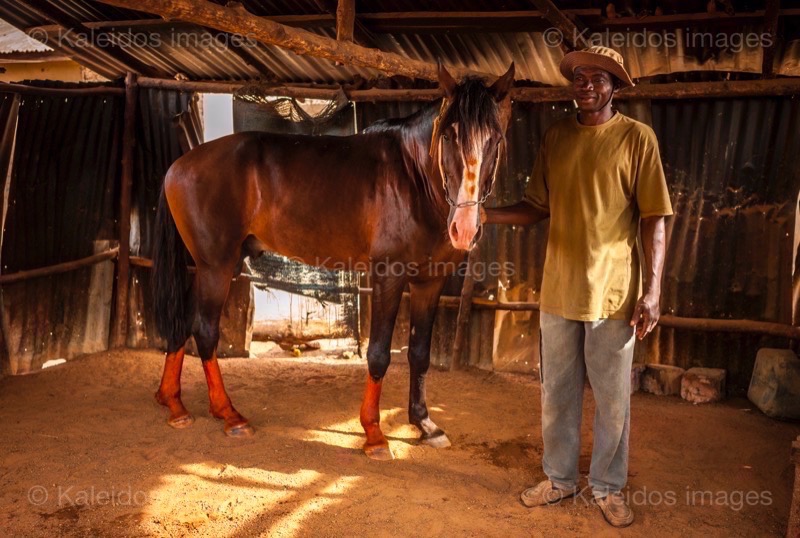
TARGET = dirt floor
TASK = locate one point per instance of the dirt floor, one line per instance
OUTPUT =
(85, 451)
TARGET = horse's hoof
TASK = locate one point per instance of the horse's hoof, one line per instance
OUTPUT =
(436, 441)
(240, 430)
(379, 452)
(180, 423)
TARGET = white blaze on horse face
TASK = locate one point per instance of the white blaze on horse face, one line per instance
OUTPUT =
(465, 219)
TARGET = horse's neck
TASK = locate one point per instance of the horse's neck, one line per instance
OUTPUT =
(416, 140)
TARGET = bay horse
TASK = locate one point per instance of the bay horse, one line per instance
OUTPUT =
(401, 198)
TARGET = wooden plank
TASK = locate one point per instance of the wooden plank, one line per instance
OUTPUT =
(296, 40)
(120, 326)
(59, 268)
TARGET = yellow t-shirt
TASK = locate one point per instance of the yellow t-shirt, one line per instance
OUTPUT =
(596, 182)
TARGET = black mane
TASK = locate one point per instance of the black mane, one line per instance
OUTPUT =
(474, 105)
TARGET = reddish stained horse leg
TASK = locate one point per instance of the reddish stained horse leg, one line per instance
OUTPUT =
(220, 404)
(376, 447)
(169, 392)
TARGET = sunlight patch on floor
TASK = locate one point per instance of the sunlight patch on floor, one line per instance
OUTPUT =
(292, 524)
(219, 494)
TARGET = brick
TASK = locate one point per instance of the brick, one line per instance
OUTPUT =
(775, 385)
(703, 385)
(637, 369)
(662, 379)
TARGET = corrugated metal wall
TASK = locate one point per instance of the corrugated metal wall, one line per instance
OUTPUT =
(60, 208)
(734, 176)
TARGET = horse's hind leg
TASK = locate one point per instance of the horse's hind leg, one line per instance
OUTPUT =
(386, 296)
(424, 301)
(211, 289)
(169, 392)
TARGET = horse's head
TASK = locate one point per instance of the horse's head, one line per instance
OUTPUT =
(467, 144)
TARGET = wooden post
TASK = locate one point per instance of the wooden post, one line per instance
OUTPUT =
(771, 27)
(345, 20)
(120, 327)
(464, 311)
(794, 511)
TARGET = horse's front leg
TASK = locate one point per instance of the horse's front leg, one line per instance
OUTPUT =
(424, 302)
(386, 295)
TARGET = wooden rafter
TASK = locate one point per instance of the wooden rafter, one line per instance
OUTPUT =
(297, 40)
(89, 39)
(569, 31)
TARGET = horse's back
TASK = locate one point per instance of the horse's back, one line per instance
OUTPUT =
(313, 198)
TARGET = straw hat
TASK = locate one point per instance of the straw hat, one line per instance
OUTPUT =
(601, 57)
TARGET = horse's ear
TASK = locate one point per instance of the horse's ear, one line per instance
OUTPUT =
(502, 85)
(446, 81)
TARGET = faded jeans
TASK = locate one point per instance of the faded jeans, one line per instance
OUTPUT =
(569, 350)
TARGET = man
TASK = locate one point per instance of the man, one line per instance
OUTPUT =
(598, 176)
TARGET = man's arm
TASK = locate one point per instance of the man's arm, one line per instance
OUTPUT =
(521, 213)
(648, 309)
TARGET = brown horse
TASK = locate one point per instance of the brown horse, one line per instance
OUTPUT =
(402, 198)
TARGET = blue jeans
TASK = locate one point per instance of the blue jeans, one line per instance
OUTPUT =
(569, 350)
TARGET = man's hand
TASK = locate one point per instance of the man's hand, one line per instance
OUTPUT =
(645, 315)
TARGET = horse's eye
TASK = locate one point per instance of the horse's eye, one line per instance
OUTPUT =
(446, 138)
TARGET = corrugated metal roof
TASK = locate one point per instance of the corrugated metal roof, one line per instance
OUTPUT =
(490, 52)
(14, 40)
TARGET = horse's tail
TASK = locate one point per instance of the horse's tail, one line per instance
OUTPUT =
(170, 279)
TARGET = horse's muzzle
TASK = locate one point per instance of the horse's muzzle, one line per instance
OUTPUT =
(463, 227)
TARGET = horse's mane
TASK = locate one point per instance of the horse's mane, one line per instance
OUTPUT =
(414, 135)
(473, 105)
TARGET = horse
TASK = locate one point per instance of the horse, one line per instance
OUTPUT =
(401, 199)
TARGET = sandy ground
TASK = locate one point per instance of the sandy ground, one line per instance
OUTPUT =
(85, 451)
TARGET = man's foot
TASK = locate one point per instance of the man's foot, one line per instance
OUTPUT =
(615, 509)
(545, 492)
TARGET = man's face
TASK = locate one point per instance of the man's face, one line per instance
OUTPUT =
(593, 88)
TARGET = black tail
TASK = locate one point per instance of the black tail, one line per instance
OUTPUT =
(170, 279)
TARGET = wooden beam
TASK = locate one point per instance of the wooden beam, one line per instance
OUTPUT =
(297, 40)
(29, 57)
(59, 268)
(771, 29)
(448, 21)
(75, 29)
(120, 327)
(569, 32)
(675, 90)
(345, 20)
(11, 87)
